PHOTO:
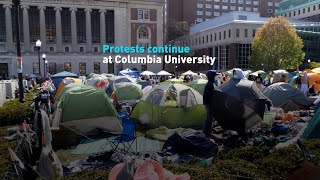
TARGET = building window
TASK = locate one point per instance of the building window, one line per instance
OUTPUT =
(289, 14)
(110, 26)
(229, 33)
(3, 37)
(199, 19)
(248, 9)
(219, 35)
(253, 32)
(294, 13)
(240, 1)
(304, 11)
(13, 18)
(208, 6)
(202, 39)
(308, 9)
(244, 52)
(111, 68)
(210, 37)
(199, 40)
(276, 4)
(82, 68)
(144, 37)
(51, 49)
(225, 7)
(35, 67)
(216, 6)
(248, 2)
(225, 1)
(66, 49)
(95, 49)
(67, 66)
(208, 13)
(215, 36)
(52, 68)
(216, 14)
(240, 8)
(207, 38)
(96, 67)
(199, 5)
(237, 32)
(256, 2)
(314, 8)
(232, 1)
(66, 25)
(34, 24)
(246, 33)
(143, 14)
(216, 0)
(270, 4)
(81, 26)
(50, 18)
(232, 8)
(224, 34)
(199, 13)
(270, 11)
(95, 26)
(299, 12)
(81, 49)
(255, 9)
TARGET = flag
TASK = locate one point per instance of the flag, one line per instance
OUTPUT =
(297, 69)
(19, 64)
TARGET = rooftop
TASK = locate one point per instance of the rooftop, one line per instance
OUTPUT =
(291, 5)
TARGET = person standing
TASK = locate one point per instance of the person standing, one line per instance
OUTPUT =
(298, 81)
(259, 81)
(304, 83)
(208, 102)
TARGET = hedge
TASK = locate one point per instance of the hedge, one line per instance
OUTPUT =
(13, 112)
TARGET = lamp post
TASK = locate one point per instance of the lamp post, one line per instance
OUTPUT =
(38, 45)
(16, 5)
(44, 64)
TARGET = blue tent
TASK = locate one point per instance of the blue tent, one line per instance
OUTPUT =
(130, 73)
(57, 78)
(312, 131)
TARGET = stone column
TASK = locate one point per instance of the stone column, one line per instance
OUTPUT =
(73, 29)
(120, 27)
(88, 30)
(8, 27)
(26, 30)
(42, 29)
(102, 27)
(58, 29)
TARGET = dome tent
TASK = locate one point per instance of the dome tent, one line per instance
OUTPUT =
(279, 93)
(127, 91)
(57, 78)
(65, 82)
(116, 80)
(198, 85)
(171, 105)
(86, 108)
(239, 105)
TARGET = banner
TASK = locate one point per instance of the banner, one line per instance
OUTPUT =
(19, 64)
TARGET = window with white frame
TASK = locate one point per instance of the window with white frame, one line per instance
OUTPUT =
(276, 4)
(248, 9)
(208, 0)
(199, 19)
(199, 5)
(216, 0)
(232, 8)
(269, 4)
(256, 2)
(208, 13)
(208, 6)
(225, 1)
(255, 9)
(232, 1)
(216, 14)
(144, 36)
(240, 8)
(225, 7)
(199, 13)
(216, 6)
(248, 2)
(240, 1)
(143, 14)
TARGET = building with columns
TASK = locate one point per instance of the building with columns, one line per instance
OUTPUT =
(72, 33)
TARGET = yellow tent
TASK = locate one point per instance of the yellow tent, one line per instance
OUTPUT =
(314, 78)
(65, 82)
(316, 70)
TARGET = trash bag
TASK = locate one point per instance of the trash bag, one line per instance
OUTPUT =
(49, 164)
(149, 170)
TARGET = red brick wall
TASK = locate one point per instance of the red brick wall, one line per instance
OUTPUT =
(134, 14)
(153, 15)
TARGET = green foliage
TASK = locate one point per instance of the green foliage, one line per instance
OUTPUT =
(13, 112)
(177, 29)
(277, 46)
(313, 65)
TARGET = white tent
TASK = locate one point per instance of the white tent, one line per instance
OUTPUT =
(163, 73)
(147, 73)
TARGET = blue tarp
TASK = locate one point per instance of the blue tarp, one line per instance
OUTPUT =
(312, 131)
(57, 78)
(130, 73)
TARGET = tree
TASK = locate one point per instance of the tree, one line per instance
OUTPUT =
(176, 29)
(276, 45)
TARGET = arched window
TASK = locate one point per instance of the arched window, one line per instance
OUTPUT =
(143, 33)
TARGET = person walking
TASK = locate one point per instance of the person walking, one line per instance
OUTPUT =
(208, 102)
(304, 83)
(259, 81)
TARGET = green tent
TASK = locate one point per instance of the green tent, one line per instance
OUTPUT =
(198, 85)
(86, 108)
(127, 91)
(171, 105)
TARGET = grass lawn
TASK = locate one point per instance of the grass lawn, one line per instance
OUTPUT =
(243, 162)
